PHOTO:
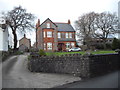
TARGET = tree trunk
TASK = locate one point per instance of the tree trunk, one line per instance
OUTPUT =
(15, 39)
(104, 43)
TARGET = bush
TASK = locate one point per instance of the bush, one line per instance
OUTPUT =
(18, 52)
(99, 46)
(108, 46)
(116, 44)
(42, 53)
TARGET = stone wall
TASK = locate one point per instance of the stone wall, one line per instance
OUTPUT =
(102, 64)
(78, 65)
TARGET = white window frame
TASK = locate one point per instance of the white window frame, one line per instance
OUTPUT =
(49, 46)
(49, 33)
(44, 46)
(67, 35)
(59, 35)
(70, 35)
(48, 25)
(44, 34)
(67, 45)
(72, 44)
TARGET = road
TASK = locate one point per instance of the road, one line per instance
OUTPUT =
(107, 81)
(16, 75)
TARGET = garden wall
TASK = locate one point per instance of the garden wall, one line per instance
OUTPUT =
(76, 64)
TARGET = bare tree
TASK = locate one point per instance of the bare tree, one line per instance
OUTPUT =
(85, 26)
(19, 21)
(105, 25)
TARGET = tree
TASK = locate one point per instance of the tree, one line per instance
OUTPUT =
(116, 44)
(105, 25)
(85, 26)
(19, 21)
(97, 26)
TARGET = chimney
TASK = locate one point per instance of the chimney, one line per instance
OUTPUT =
(38, 23)
(24, 36)
(69, 22)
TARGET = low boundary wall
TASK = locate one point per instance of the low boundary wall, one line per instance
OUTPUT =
(76, 64)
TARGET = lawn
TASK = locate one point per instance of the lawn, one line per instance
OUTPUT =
(81, 52)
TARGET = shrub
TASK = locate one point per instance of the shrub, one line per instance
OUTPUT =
(42, 53)
(29, 57)
(116, 44)
(18, 52)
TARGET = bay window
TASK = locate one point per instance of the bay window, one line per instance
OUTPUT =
(44, 46)
(67, 45)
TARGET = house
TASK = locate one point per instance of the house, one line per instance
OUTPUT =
(24, 44)
(3, 35)
(51, 36)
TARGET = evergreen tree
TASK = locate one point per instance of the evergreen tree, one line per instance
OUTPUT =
(116, 44)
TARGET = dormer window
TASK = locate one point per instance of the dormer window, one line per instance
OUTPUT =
(48, 25)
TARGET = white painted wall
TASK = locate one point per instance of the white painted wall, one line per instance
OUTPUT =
(3, 37)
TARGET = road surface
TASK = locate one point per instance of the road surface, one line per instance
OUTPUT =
(16, 75)
(107, 81)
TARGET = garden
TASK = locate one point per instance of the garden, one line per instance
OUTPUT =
(80, 52)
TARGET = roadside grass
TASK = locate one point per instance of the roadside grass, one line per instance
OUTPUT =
(81, 52)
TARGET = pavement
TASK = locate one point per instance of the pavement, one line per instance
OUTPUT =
(16, 75)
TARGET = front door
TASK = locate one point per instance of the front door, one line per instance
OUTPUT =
(60, 46)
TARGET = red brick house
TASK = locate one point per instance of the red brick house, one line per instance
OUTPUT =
(52, 36)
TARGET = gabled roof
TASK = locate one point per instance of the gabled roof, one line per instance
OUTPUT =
(50, 21)
(65, 27)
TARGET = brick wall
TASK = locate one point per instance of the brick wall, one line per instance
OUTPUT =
(78, 65)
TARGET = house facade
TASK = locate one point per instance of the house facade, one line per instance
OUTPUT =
(24, 44)
(52, 36)
(3, 35)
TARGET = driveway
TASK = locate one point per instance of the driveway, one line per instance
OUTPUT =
(16, 75)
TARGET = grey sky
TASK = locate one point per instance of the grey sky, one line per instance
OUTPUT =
(60, 10)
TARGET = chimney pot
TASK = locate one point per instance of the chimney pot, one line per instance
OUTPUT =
(69, 22)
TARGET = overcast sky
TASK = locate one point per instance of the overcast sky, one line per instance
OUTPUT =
(60, 10)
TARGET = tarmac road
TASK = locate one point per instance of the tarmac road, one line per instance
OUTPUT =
(16, 75)
(106, 81)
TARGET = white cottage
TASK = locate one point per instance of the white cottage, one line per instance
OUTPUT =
(3, 35)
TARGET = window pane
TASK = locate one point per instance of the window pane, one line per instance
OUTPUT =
(44, 34)
(59, 35)
(73, 44)
(67, 45)
(70, 35)
(49, 34)
(44, 46)
(49, 46)
(66, 35)
(48, 25)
